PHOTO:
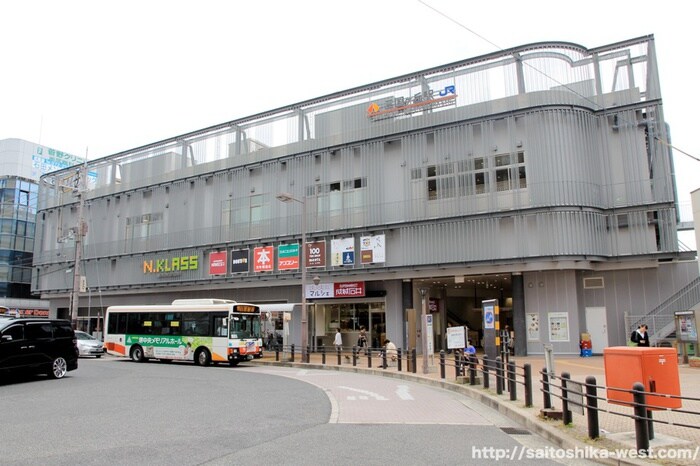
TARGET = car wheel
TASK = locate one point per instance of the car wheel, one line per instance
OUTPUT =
(202, 357)
(98, 356)
(59, 367)
(137, 354)
(233, 363)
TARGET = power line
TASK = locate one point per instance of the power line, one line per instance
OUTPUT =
(519, 59)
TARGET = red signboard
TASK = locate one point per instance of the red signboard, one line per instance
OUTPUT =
(217, 263)
(262, 259)
(349, 289)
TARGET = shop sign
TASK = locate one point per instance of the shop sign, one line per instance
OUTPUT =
(336, 290)
(175, 264)
(420, 102)
(372, 249)
(288, 257)
(16, 312)
(322, 290)
(347, 290)
(239, 260)
(217, 263)
(316, 254)
(262, 259)
(343, 251)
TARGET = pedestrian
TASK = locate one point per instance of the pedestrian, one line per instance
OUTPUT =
(508, 340)
(362, 339)
(469, 349)
(338, 342)
(391, 352)
(640, 336)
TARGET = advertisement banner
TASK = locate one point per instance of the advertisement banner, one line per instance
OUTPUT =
(288, 257)
(372, 249)
(343, 252)
(335, 290)
(532, 322)
(217, 263)
(558, 326)
(239, 260)
(348, 289)
(262, 259)
(316, 254)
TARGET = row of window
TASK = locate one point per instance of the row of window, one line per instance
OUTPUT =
(17, 227)
(473, 176)
(38, 331)
(196, 324)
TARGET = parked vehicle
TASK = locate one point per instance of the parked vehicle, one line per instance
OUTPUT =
(37, 345)
(89, 345)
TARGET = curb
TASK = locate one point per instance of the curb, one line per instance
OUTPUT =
(519, 415)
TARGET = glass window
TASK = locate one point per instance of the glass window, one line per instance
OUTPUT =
(244, 326)
(36, 331)
(62, 330)
(195, 324)
(220, 329)
(23, 198)
(16, 332)
(503, 180)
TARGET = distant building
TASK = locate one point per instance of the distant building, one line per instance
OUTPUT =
(538, 176)
(21, 165)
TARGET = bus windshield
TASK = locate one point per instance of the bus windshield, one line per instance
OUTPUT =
(244, 326)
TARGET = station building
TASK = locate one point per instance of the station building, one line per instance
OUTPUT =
(539, 176)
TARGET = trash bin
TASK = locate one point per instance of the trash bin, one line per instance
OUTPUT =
(656, 368)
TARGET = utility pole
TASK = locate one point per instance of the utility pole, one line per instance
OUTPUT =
(80, 231)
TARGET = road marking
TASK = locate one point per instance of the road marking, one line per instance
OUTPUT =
(367, 393)
(402, 392)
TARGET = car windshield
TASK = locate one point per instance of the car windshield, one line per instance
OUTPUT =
(84, 336)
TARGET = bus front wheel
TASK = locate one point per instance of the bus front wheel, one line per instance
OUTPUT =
(137, 354)
(202, 357)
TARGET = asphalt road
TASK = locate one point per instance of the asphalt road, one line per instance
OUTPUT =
(114, 411)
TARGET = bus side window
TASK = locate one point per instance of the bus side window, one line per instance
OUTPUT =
(220, 329)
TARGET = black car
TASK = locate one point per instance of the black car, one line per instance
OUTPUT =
(36, 345)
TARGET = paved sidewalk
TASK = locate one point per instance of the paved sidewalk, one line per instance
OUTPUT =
(616, 431)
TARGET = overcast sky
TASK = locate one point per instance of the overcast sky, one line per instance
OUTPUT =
(103, 77)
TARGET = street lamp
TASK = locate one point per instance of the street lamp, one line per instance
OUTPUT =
(424, 328)
(287, 197)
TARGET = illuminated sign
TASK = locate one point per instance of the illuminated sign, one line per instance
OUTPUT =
(247, 308)
(175, 264)
(397, 106)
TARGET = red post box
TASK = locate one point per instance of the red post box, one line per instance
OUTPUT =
(656, 368)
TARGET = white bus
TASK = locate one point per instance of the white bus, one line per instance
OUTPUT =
(199, 330)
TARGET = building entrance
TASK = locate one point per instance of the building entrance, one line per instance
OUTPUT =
(349, 317)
